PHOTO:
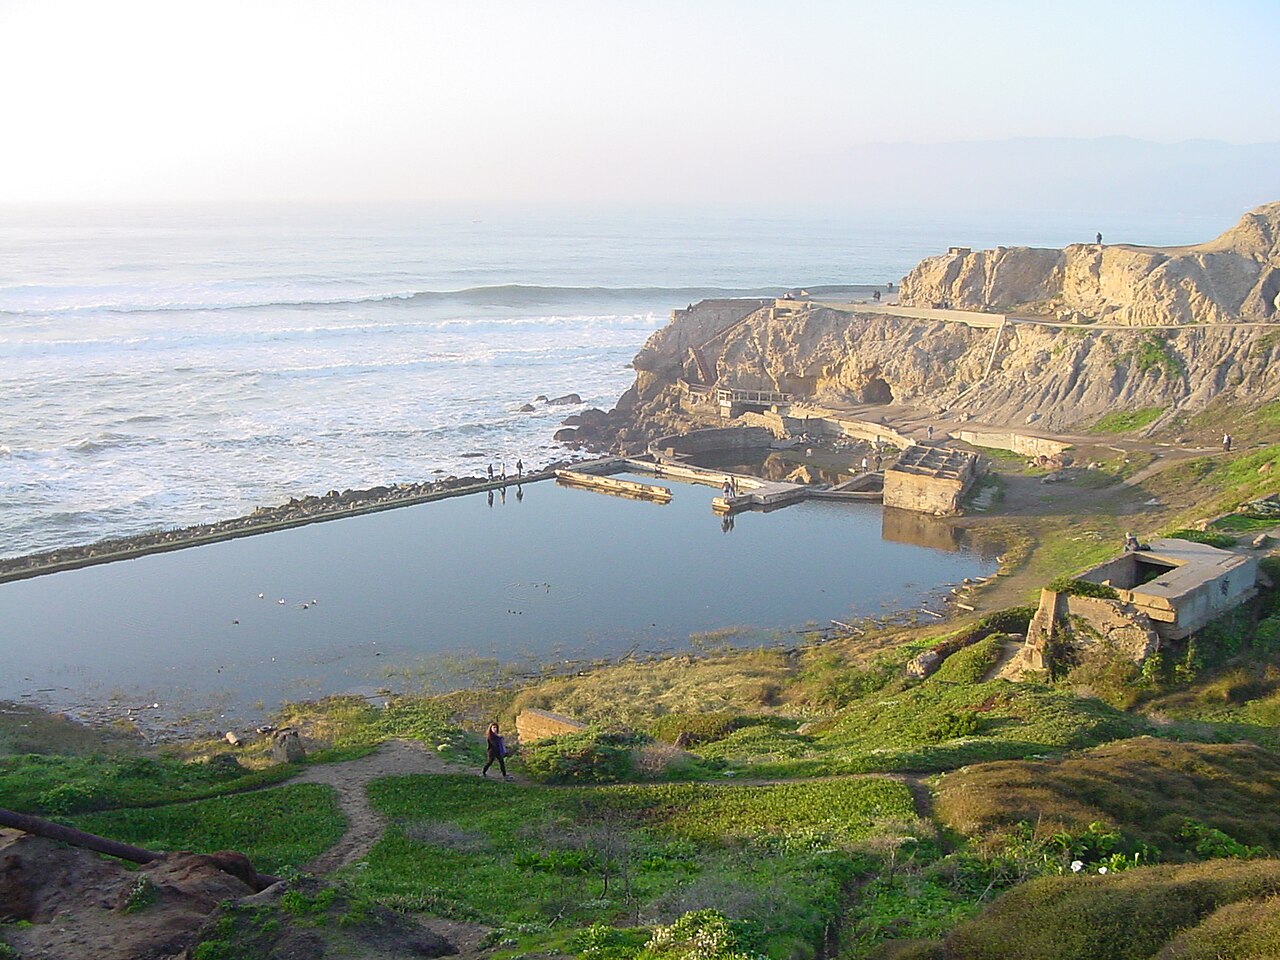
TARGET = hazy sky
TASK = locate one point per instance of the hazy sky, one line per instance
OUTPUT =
(627, 102)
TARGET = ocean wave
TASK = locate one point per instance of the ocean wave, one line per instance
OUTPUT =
(43, 302)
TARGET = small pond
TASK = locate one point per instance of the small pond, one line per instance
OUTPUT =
(454, 593)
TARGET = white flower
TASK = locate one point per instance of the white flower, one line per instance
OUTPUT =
(1077, 866)
(1102, 869)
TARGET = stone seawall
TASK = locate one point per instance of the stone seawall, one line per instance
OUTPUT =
(296, 512)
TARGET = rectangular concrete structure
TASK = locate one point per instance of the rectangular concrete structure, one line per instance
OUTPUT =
(930, 480)
(1180, 585)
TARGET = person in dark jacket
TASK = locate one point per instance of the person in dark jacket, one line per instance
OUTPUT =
(497, 750)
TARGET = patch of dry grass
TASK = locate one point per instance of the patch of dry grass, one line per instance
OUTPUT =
(634, 694)
(1145, 787)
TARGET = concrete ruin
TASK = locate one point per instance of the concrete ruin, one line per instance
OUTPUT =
(533, 725)
(1179, 584)
(930, 480)
(1164, 593)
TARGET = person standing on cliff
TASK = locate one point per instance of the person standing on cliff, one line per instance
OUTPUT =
(1099, 239)
(496, 749)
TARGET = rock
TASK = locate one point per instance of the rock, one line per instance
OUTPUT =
(924, 664)
(1033, 417)
(566, 435)
(528, 408)
(1226, 279)
(428, 943)
(540, 398)
(231, 738)
(566, 400)
(1260, 541)
(287, 748)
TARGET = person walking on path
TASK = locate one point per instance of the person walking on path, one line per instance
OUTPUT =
(497, 750)
(1226, 443)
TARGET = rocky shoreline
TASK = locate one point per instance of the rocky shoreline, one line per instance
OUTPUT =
(296, 512)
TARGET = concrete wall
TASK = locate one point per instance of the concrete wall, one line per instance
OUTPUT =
(533, 725)
(1119, 625)
(1209, 600)
(810, 419)
(924, 494)
(711, 439)
(1020, 443)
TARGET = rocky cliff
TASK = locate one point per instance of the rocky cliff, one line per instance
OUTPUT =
(1232, 278)
(1065, 377)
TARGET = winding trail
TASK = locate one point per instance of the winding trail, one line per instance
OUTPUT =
(365, 826)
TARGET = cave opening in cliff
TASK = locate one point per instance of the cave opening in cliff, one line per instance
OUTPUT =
(876, 390)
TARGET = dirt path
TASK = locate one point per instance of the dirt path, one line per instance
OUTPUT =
(365, 825)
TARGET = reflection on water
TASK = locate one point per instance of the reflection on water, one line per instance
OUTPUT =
(920, 529)
(520, 577)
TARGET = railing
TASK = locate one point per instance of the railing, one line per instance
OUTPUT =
(726, 396)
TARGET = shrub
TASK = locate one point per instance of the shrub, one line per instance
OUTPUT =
(1210, 843)
(1146, 789)
(689, 729)
(951, 725)
(1083, 588)
(703, 935)
(591, 757)
(1248, 930)
(1092, 917)
(971, 664)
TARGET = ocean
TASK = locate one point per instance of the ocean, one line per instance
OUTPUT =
(168, 366)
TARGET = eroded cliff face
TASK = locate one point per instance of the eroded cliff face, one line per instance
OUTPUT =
(1064, 377)
(1232, 278)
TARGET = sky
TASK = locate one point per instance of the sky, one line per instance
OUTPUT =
(602, 102)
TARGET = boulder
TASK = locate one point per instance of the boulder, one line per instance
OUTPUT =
(566, 435)
(567, 400)
(287, 748)
(924, 664)
(528, 408)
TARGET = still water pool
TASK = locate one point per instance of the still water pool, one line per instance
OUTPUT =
(443, 594)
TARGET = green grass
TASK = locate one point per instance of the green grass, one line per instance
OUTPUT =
(1238, 523)
(473, 849)
(1124, 421)
(60, 785)
(353, 723)
(282, 826)
(945, 722)
(1220, 483)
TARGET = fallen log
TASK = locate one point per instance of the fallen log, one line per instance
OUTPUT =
(112, 848)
